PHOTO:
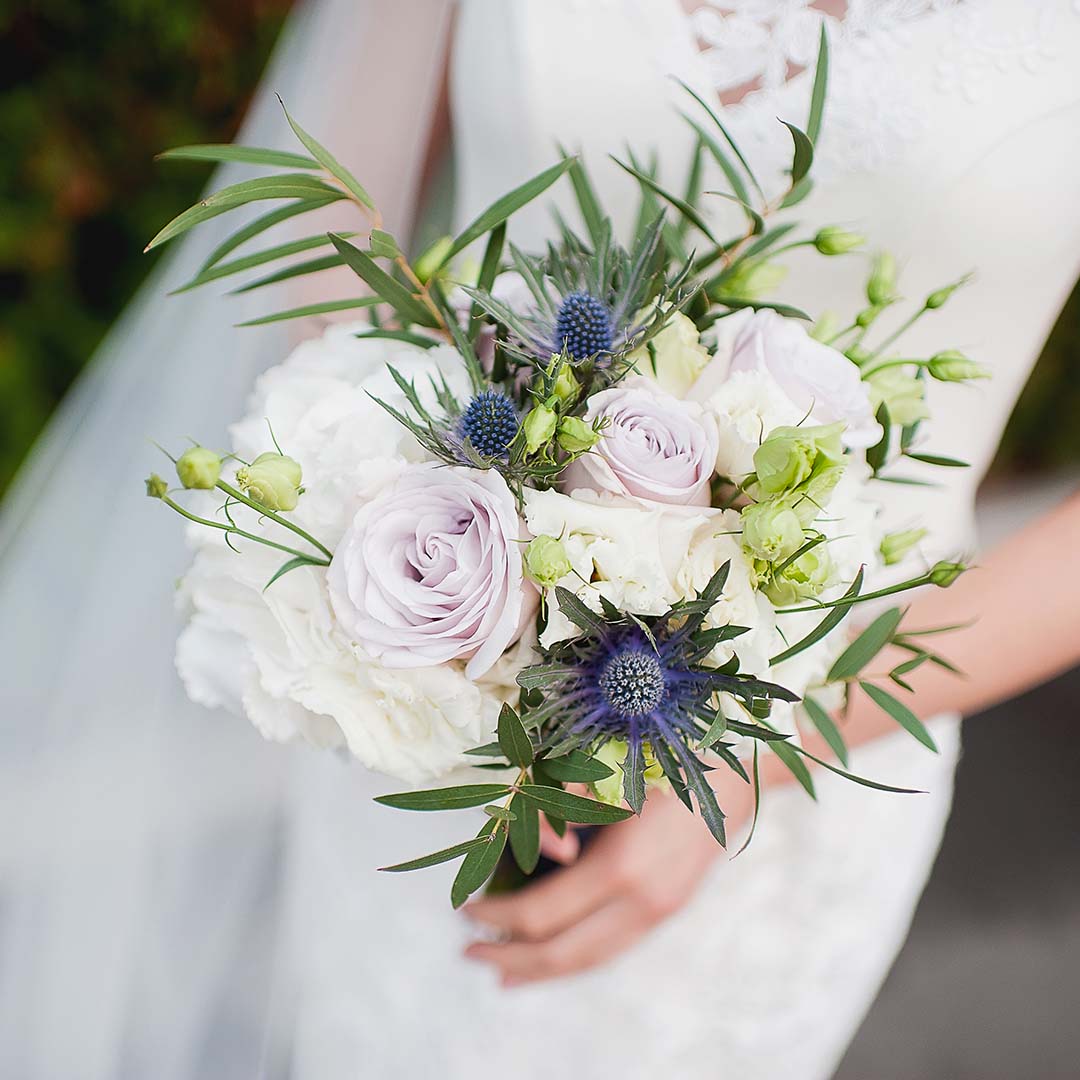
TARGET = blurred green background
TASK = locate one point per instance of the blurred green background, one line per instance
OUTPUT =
(90, 92)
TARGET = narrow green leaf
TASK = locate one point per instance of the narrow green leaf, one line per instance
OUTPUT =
(938, 459)
(681, 205)
(570, 807)
(502, 208)
(479, 863)
(588, 204)
(489, 269)
(757, 804)
(300, 269)
(399, 335)
(328, 161)
(500, 813)
(857, 779)
(514, 740)
(578, 612)
(737, 303)
(382, 284)
(757, 221)
(250, 155)
(829, 731)
(292, 564)
(313, 309)
(284, 186)
(264, 222)
(797, 193)
(866, 646)
(825, 627)
(448, 798)
(900, 713)
(258, 258)
(576, 767)
(717, 730)
(525, 835)
(803, 157)
(381, 243)
(821, 82)
(436, 857)
(786, 752)
(727, 137)
(633, 770)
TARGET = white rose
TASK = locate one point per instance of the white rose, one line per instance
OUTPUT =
(817, 380)
(676, 358)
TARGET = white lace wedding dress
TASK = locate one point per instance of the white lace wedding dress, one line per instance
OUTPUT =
(217, 913)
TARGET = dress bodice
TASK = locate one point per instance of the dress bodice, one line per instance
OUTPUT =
(951, 138)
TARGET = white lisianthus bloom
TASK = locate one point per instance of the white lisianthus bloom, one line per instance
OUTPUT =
(643, 559)
(279, 655)
(675, 357)
(817, 381)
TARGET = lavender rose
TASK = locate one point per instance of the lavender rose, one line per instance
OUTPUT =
(817, 379)
(653, 447)
(430, 571)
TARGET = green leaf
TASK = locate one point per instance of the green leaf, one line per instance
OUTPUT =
(258, 258)
(499, 813)
(737, 303)
(938, 459)
(717, 730)
(825, 627)
(382, 284)
(786, 752)
(757, 804)
(578, 613)
(900, 713)
(398, 335)
(588, 204)
(633, 770)
(292, 564)
(479, 863)
(570, 807)
(756, 220)
(797, 193)
(856, 779)
(313, 309)
(284, 186)
(866, 646)
(525, 835)
(803, 157)
(502, 208)
(381, 244)
(698, 782)
(514, 740)
(829, 731)
(328, 161)
(310, 266)
(817, 95)
(727, 138)
(489, 269)
(681, 205)
(576, 768)
(249, 155)
(264, 222)
(448, 798)
(436, 857)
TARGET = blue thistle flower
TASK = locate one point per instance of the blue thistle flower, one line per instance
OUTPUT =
(583, 326)
(643, 681)
(489, 423)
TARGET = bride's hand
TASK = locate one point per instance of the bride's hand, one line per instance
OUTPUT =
(632, 876)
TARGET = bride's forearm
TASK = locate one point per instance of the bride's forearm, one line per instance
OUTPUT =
(1023, 605)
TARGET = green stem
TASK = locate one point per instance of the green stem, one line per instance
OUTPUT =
(240, 532)
(265, 512)
(903, 586)
(899, 362)
(901, 329)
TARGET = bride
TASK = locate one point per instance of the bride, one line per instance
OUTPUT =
(179, 899)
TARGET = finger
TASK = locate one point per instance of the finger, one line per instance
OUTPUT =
(601, 935)
(561, 849)
(551, 904)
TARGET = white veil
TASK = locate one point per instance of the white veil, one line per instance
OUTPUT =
(140, 842)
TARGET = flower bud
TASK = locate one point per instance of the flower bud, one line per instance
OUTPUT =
(939, 296)
(881, 284)
(198, 467)
(896, 545)
(802, 579)
(539, 426)
(431, 260)
(805, 461)
(156, 487)
(752, 279)
(576, 436)
(867, 316)
(902, 394)
(943, 574)
(566, 388)
(546, 560)
(953, 366)
(832, 240)
(272, 480)
(772, 530)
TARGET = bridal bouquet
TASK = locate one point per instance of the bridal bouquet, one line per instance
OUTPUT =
(572, 524)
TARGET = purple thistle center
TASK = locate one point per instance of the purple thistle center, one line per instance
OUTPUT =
(632, 683)
(583, 325)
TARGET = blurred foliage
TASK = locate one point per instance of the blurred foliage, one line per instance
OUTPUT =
(89, 92)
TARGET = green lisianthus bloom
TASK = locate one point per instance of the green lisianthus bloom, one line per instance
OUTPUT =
(902, 394)
(539, 426)
(772, 530)
(198, 468)
(803, 463)
(546, 560)
(575, 436)
(802, 579)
